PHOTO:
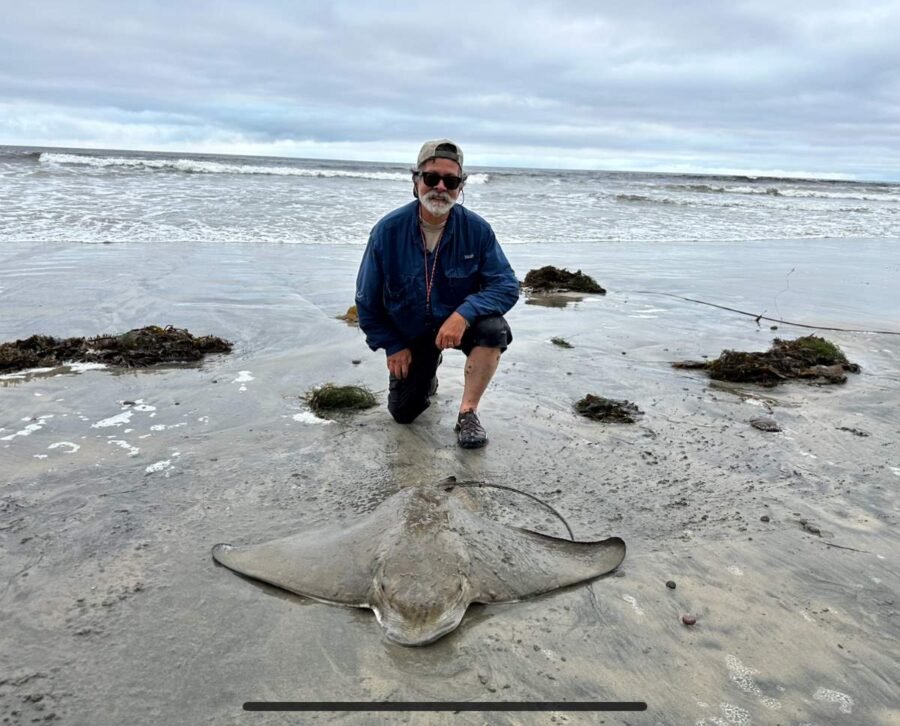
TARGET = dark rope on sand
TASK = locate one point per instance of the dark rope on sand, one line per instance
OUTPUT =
(842, 547)
(763, 317)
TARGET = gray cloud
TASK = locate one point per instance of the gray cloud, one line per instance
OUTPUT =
(801, 86)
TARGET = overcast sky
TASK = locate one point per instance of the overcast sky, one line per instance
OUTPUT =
(802, 87)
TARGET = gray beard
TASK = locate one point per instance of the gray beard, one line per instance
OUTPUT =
(437, 203)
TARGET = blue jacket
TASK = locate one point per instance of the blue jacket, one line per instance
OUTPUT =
(472, 277)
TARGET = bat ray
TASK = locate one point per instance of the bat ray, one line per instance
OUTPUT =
(419, 559)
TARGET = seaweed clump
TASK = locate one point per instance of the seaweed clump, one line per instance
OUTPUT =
(598, 408)
(809, 357)
(351, 317)
(330, 397)
(140, 347)
(552, 279)
(561, 342)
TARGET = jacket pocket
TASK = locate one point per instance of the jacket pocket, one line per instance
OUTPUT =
(400, 292)
(462, 279)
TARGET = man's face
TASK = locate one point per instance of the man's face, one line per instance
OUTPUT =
(438, 200)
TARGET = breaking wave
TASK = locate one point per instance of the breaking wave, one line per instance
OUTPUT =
(200, 166)
(641, 199)
(785, 191)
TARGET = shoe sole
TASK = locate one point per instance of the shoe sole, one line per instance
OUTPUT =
(476, 445)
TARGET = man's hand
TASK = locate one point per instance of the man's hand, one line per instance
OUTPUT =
(451, 332)
(398, 364)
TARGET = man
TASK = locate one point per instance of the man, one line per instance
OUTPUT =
(434, 277)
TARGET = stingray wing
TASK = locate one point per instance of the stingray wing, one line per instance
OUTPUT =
(512, 564)
(333, 564)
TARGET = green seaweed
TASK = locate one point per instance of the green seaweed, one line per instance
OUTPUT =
(824, 351)
(330, 397)
(561, 342)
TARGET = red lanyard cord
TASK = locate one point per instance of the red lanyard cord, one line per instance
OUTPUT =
(429, 279)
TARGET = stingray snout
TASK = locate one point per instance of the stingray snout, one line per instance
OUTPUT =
(403, 631)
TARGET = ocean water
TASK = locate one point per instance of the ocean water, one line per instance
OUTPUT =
(86, 196)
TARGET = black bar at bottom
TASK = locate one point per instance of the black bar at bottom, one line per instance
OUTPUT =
(445, 706)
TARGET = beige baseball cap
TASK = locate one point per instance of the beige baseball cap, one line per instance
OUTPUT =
(440, 149)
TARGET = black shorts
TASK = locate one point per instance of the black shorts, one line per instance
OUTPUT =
(408, 397)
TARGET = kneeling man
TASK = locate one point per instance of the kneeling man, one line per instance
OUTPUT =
(433, 276)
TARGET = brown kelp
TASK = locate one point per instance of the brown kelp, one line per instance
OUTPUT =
(810, 357)
(137, 348)
(553, 279)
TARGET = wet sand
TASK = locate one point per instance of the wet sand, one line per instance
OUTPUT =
(115, 485)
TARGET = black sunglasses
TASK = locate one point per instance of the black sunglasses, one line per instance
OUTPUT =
(432, 179)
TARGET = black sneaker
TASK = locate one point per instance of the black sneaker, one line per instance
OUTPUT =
(471, 434)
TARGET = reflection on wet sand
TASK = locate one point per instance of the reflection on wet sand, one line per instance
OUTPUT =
(554, 299)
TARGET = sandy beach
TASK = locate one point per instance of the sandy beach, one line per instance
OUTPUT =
(116, 484)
